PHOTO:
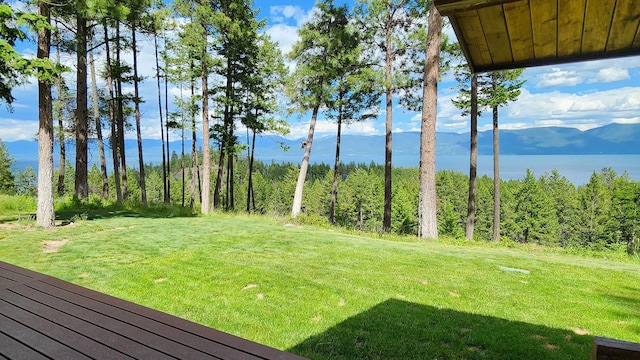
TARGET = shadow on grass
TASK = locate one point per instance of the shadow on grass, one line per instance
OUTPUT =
(396, 329)
(114, 211)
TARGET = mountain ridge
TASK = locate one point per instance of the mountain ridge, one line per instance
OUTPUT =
(614, 139)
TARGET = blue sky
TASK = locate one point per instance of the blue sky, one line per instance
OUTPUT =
(580, 95)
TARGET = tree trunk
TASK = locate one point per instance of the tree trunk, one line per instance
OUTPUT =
(473, 160)
(631, 246)
(334, 186)
(195, 173)
(388, 167)
(230, 178)
(165, 193)
(496, 177)
(427, 210)
(45, 213)
(250, 182)
(166, 117)
(182, 163)
(218, 186)
(231, 164)
(61, 141)
(136, 94)
(297, 196)
(120, 128)
(112, 117)
(206, 156)
(81, 189)
(61, 136)
(96, 115)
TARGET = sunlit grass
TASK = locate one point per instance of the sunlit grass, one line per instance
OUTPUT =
(326, 294)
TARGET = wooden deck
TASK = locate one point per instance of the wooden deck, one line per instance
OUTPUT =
(42, 317)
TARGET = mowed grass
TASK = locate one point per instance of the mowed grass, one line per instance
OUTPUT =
(329, 295)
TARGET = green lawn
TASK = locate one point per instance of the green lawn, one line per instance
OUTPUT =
(329, 295)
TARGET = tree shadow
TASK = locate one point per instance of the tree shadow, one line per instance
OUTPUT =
(396, 329)
(626, 302)
(97, 213)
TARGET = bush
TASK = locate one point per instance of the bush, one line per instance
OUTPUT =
(15, 204)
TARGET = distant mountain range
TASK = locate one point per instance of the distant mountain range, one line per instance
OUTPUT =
(609, 139)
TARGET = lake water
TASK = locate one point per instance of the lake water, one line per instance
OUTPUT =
(577, 168)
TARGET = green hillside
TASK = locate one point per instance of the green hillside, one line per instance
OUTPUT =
(325, 294)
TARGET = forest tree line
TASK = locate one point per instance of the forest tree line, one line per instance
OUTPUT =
(229, 73)
(548, 209)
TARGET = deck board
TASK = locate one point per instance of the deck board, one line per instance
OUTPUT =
(51, 318)
(16, 350)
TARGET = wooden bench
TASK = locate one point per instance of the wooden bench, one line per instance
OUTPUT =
(42, 317)
(611, 349)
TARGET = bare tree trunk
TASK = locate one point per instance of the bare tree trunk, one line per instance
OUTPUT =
(218, 185)
(388, 167)
(195, 173)
(143, 183)
(61, 136)
(120, 137)
(496, 177)
(112, 117)
(297, 196)
(45, 213)
(250, 184)
(81, 190)
(164, 161)
(166, 115)
(473, 161)
(427, 211)
(230, 165)
(61, 141)
(334, 186)
(631, 247)
(182, 164)
(206, 156)
(96, 115)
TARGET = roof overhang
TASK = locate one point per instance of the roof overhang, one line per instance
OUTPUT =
(505, 34)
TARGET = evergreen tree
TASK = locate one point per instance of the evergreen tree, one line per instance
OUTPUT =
(308, 86)
(467, 101)
(504, 86)
(594, 209)
(26, 182)
(7, 179)
(427, 213)
(393, 26)
(563, 195)
(626, 213)
(47, 72)
(494, 89)
(261, 102)
(13, 67)
(535, 216)
(355, 95)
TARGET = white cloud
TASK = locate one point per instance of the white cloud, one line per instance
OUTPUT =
(454, 126)
(587, 104)
(285, 22)
(329, 128)
(621, 102)
(558, 77)
(285, 35)
(14, 130)
(635, 120)
(611, 74)
(514, 126)
(285, 13)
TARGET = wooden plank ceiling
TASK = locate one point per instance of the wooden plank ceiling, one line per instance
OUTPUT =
(504, 34)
